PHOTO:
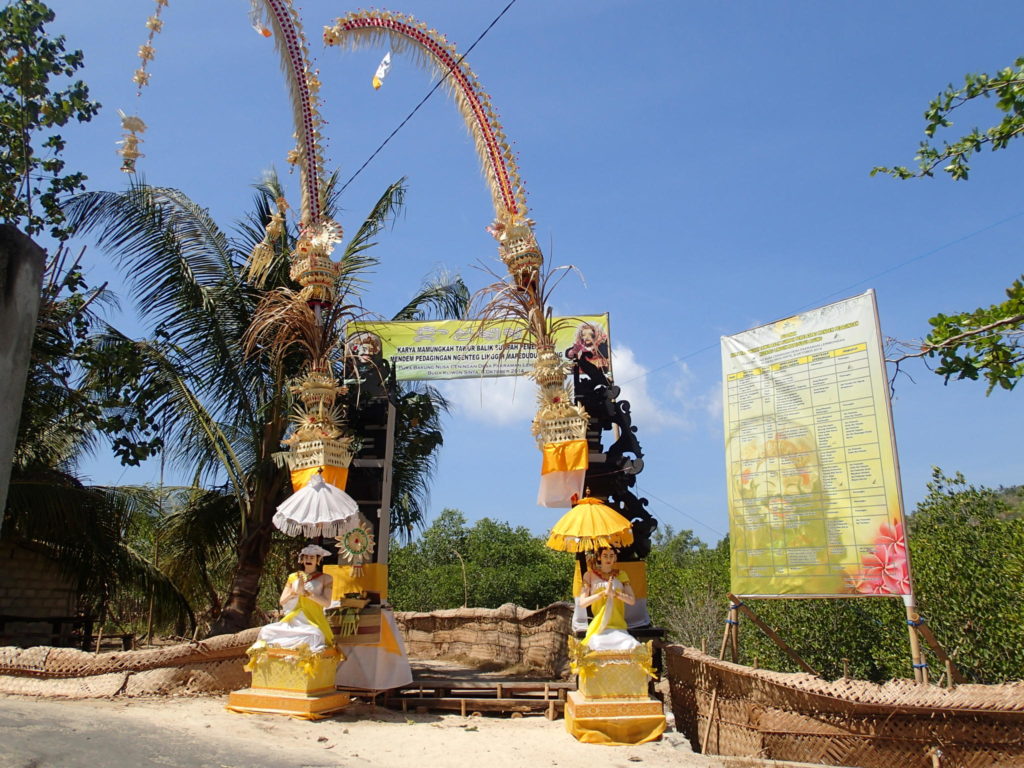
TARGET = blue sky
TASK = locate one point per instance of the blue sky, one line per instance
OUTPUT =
(705, 165)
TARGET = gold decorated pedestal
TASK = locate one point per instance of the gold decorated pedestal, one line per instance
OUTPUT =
(613, 721)
(612, 705)
(292, 683)
(614, 675)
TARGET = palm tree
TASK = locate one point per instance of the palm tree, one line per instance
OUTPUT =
(224, 412)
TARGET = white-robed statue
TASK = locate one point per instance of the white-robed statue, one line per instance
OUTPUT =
(607, 590)
(306, 593)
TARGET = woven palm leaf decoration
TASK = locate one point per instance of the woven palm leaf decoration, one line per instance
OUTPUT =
(356, 546)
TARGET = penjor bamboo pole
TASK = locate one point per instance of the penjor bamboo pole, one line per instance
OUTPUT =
(384, 545)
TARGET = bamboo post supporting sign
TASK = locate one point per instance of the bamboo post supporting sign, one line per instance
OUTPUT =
(793, 655)
(815, 504)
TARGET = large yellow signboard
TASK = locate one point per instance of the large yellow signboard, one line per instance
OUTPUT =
(459, 349)
(815, 506)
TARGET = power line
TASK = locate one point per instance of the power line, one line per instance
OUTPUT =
(843, 291)
(645, 492)
(423, 101)
(912, 259)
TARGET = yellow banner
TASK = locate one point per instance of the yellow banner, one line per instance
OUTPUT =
(815, 507)
(460, 349)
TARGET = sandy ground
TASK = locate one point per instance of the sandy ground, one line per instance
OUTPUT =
(130, 733)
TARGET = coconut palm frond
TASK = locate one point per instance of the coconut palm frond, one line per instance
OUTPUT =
(186, 273)
(252, 233)
(196, 542)
(176, 251)
(356, 258)
(417, 440)
(87, 531)
(442, 296)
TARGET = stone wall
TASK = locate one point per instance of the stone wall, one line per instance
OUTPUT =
(31, 585)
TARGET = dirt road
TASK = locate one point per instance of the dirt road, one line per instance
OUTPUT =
(190, 732)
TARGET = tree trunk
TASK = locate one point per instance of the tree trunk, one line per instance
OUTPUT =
(240, 605)
(245, 585)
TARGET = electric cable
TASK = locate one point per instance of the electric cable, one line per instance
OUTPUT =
(424, 99)
(841, 291)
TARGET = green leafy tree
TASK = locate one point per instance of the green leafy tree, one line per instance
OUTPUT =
(484, 566)
(973, 607)
(985, 342)
(686, 583)
(37, 96)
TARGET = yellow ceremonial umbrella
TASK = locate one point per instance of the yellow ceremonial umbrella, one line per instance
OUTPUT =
(589, 525)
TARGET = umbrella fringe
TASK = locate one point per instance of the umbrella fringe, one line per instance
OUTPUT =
(292, 528)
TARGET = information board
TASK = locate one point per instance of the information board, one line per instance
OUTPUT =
(815, 506)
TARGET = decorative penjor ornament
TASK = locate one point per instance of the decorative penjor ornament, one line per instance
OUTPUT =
(522, 296)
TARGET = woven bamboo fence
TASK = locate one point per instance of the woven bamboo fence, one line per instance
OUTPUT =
(209, 666)
(799, 717)
(509, 636)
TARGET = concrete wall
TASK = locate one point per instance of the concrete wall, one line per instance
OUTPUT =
(21, 275)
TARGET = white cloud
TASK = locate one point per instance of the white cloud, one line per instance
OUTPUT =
(495, 401)
(631, 377)
(713, 402)
(511, 400)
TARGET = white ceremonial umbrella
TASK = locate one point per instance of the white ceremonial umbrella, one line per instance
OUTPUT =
(317, 509)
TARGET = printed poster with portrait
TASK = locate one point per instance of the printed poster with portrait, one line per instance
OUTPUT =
(461, 349)
(815, 506)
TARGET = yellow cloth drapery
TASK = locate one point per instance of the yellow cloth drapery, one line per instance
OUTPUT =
(336, 476)
(616, 731)
(313, 612)
(603, 620)
(565, 456)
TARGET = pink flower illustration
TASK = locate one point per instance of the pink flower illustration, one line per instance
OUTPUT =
(892, 536)
(884, 571)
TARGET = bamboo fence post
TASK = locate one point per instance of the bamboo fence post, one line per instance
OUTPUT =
(725, 636)
(711, 717)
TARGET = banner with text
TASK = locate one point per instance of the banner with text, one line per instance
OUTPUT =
(815, 507)
(461, 349)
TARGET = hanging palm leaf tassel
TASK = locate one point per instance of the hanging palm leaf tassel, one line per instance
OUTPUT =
(262, 257)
